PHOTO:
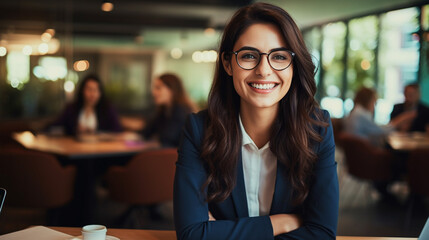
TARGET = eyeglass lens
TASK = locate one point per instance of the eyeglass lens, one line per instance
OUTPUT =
(249, 59)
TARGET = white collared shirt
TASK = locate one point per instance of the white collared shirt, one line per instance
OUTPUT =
(88, 121)
(259, 169)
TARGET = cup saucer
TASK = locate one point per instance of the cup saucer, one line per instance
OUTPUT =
(108, 237)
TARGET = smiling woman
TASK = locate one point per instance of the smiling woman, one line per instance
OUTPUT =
(259, 163)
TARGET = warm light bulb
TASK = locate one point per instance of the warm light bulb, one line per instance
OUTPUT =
(80, 66)
(46, 37)
(51, 31)
(209, 31)
(365, 64)
(107, 6)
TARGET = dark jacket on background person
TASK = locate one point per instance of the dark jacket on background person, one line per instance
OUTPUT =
(419, 122)
(107, 119)
(166, 128)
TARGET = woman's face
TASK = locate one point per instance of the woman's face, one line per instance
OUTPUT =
(261, 87)
(162, 95)
(91, 93)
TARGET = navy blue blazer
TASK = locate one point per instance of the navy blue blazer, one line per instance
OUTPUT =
(319, 211)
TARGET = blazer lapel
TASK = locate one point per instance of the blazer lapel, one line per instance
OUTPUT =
(282, 195)
(238, 194)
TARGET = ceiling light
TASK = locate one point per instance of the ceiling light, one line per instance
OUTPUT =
(3, 51)
(81, 65)
(43, 48)
(46, 37)
(209, 31)
(176, 53)
(27, 50)
(107, 6)
(69, 86)
(51, 31)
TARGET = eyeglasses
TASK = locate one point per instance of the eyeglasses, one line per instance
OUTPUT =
(249, 58)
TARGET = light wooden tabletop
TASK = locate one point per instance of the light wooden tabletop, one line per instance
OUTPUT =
(408, 141)
(125, 234)
(94, 146)
(131, 234)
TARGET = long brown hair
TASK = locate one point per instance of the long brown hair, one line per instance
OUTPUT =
(293, 131)
(173, 82)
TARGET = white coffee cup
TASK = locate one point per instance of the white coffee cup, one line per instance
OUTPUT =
(94, 232)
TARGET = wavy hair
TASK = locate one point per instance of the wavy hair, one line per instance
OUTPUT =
(80, 98)
(180, 97)
(293, 132)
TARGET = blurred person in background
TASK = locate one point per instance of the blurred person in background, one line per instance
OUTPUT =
(416, 114)
(361, 122)
(90, 112)
(172, 108)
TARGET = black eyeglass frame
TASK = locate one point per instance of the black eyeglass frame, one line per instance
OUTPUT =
(260, 57)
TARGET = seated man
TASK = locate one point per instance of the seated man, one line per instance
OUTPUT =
(412, 109)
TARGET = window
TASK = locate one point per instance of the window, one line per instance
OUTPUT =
(333, 46)
(398, 58)
(361, 61)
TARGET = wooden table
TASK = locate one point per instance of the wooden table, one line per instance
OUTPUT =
(89, 146)
(125, 234)
(88, 153)
(408, 141)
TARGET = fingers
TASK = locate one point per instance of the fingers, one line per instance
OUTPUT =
(211, 218)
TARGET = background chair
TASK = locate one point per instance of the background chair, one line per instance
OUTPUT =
(418, 181)
(35, 180)
(146, 180)
(338, 127)
(364, 161)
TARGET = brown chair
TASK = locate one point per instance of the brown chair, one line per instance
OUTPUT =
(338, 127)
(365, 161)
(35, 180)
(7, 128)
(418, 181)
(418, 172)
(146, 180)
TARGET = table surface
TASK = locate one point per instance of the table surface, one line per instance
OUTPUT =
(90, 146)
(171, 235)
(408, 141)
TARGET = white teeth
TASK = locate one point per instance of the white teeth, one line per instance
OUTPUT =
(263, 86)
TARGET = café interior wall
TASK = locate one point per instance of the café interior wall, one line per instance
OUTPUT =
(197, 77)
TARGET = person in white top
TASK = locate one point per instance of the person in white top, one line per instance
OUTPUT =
(360, 121)
(90, 112)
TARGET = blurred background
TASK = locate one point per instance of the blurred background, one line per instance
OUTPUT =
(47, 46)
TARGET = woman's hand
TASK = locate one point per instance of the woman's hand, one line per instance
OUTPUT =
(283, 223)
(211, 218)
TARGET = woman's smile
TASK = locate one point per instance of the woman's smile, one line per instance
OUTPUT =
(263, 87)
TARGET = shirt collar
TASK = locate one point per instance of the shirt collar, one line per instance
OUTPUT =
(246, 138)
